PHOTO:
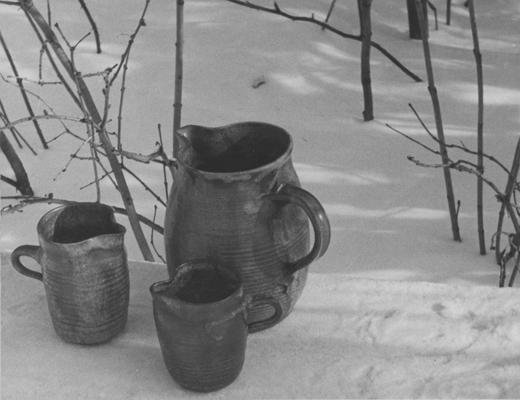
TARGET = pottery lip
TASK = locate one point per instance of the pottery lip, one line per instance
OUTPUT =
(44, 236)
(194, 310)
(243, 174)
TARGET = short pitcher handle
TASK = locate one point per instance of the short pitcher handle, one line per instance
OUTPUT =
(259, 300)
(290, 194)
(212, 328)
(29, 251)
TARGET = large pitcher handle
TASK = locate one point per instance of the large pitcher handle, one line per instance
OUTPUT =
(290, 194)
(29, 251)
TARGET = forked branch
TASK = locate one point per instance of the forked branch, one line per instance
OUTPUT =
(92, 109)
(278, 11)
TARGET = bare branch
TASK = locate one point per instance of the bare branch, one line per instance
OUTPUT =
(146, 187)
(276, 10)
(431, 150)
(51, 58)
(179, 62)
(16, 134)
(329, 12)
(165, 158)
(96, 119)
(151, 236)
(365, 23)
(438, 120)
(22, 91)
(462, 166)
(24, 201)
(22, 180)
(126, 53)
(459, 147)
(92, 24)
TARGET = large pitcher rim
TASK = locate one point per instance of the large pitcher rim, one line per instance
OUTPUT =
(44, 217)
(275, 164)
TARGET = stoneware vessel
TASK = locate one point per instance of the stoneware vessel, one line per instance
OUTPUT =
(200, 317)
(236, 199)
(84, 271)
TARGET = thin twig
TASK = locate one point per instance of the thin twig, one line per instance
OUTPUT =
(151, 236)
(22, 179)
(480, 126)
(165, 179)
(93, 154)
(72, 157)
(92, 24)
(41, 117)
(434, 9)
(456, 146)
(13, 130)
(24, 201)
(22, 91)
(459, 165)
(508, 192)
(126, 53)
(414, 140)
(364, 9)
(146, 187)
(105, 175)
(515, 270)
(179, 61)
(438, 121)
(59, 118)
(123, 65)
(49, 13)
(329, 12)
(51, 59)
(96, 118)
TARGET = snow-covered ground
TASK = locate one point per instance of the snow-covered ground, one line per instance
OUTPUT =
(391, 235)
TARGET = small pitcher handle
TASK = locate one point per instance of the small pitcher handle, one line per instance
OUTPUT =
(290, 194)
(259, 300)
(212, 328)
(29, 251)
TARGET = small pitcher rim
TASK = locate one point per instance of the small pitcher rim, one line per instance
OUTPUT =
(235, 294)
(39, 226)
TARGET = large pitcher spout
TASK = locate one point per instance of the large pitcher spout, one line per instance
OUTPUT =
(193, 140)
(190, 135)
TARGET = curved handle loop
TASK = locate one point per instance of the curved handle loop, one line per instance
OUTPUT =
(29, 251)
(290, 194)
(212, 328)
(259, 300)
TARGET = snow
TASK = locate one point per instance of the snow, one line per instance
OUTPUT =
(408, 312)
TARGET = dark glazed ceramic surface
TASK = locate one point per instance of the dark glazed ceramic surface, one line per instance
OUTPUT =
(200, 317)
(84, 271)
(237, 200)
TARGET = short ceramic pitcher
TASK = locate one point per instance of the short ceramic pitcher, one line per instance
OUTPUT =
(236, 199)
(200, 317)
(84, 271)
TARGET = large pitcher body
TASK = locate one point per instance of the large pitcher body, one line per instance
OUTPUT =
(236, 200)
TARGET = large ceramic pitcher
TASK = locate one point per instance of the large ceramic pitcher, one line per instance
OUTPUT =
(236, 200)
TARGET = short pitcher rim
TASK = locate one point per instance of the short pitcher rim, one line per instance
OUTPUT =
(44, 217)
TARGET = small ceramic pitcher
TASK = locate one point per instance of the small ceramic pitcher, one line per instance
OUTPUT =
(201, 322)
(84, 271)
